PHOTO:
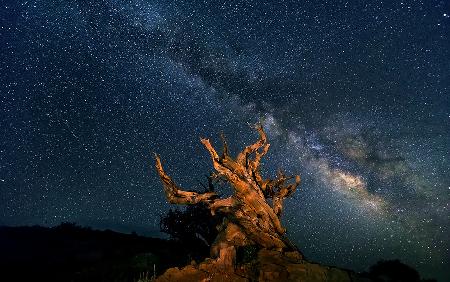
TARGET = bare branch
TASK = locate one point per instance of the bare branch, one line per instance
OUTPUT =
(282, 193)
(254, 168)
(242, 157)
(225, 152)
(259, 155)
(175, 194)
(226, 167)
(223, 205)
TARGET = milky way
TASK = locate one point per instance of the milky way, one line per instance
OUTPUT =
(354, 98)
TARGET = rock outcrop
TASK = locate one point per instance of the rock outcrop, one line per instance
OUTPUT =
(268, 265)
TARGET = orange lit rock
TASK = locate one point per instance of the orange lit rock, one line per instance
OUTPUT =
(269, 265)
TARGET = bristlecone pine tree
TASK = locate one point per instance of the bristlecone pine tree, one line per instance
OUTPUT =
(250, 219)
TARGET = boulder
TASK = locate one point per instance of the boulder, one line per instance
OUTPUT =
(269, 265)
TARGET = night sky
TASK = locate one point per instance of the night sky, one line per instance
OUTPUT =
(354, 97)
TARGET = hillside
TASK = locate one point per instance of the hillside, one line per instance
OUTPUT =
(72, 253)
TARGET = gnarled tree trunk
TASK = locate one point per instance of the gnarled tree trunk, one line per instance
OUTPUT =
(250, 218)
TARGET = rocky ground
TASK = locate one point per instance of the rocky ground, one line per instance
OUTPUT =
(268, 265)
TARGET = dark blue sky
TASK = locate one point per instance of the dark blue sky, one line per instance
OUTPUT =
(354, 97)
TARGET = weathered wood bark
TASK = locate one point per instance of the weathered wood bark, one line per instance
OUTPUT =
(250, 218)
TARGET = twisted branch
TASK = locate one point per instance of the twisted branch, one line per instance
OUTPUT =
(175, 195)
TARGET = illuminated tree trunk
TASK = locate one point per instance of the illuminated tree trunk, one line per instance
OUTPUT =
(249, 218)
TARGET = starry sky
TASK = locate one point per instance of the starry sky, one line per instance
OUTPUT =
(354, 97)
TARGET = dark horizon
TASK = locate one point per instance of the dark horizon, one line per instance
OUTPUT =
(125, 229)
(69, 248)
